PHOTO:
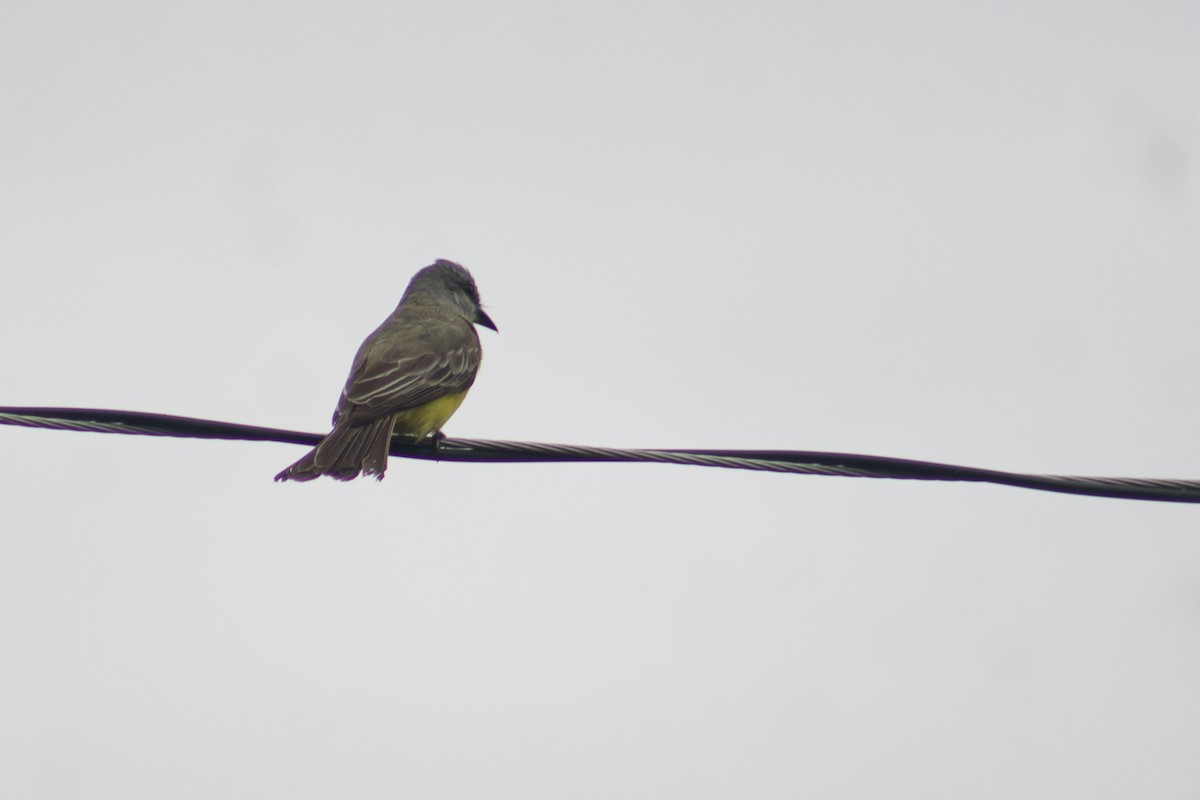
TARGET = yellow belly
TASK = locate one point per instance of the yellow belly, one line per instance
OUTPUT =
(423, 420)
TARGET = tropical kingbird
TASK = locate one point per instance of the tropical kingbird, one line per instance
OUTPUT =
(409, 376)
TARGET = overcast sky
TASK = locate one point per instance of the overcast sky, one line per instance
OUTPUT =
(965, 232)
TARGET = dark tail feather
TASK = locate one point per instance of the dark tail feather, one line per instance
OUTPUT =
(345, 452)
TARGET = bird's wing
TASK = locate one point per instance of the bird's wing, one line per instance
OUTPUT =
(387, 379)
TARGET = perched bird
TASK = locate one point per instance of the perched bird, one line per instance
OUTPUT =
(409, 376)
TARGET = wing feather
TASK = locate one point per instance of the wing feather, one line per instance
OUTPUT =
(399, 369)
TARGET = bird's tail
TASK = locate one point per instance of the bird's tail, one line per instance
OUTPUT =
(345, 452)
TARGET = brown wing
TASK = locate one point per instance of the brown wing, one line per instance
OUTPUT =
(407, 366)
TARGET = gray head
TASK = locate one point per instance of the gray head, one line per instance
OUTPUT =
(445, 281)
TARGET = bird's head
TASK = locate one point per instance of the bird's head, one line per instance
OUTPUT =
(452, 283)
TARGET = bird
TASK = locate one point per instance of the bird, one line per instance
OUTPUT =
(408, 378)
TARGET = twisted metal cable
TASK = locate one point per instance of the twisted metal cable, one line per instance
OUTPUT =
(787, 461)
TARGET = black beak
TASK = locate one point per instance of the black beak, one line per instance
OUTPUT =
(481, 318)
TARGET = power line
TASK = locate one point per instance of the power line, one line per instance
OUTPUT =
(802, 462)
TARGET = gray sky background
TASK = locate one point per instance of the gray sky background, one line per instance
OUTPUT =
(966, 232)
